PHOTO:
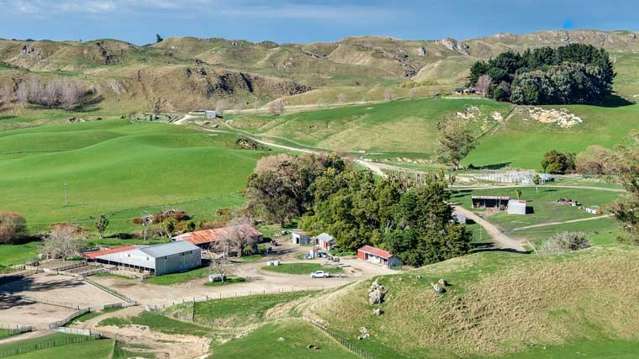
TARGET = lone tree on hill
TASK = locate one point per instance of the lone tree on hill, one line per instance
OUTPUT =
(158, 38)
(101, 224)
(455, 142)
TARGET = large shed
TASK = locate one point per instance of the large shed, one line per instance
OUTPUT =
(158, 259)
(378, 256)
(498, 202)
(516, 206)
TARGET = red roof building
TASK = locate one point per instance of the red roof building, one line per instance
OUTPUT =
(206, 237)
(378, 256)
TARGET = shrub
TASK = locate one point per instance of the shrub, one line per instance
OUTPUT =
(564, 242)
(12, 227)
(556, 162)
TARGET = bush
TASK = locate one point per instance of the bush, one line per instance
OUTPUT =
(68, 94)
(556, 162)
(564, 242)
(12, 227)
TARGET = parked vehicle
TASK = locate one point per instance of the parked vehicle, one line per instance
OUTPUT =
(320, 274)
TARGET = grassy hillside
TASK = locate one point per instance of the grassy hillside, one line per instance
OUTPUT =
(403, 127)
(498, 303)
(522, 143)
(120, 169)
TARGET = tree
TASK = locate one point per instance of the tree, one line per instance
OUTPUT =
(12, 227)
(537, 181)
(556, 162)
(169, 225)
(483, 84)
(147, 220)
(158, 38)
(518, 193)
(101, 224)
(597, 160)
(63, 241)
(455, 142)
(277, 107)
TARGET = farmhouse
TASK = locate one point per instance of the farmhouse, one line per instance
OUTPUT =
(301, 238)
(325, 241)
(207, 238)
(158, 259)
(378, 256)
(498, 202)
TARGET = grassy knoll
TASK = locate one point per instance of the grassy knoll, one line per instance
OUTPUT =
(301, 268)
(498, 304)
(397, 128)
(176, 278)
(233, 312)
(604, 349)
(119, 169)
(11, 254)
(523, 143)
(296, 336)
(158, 322)
(547, 210)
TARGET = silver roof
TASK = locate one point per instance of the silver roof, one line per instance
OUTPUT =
(168, 249)
(325, 237)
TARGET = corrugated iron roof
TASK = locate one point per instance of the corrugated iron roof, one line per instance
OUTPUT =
(162, 250)
(325, 237)
(207, 236)
(376, 252)
(105, 251)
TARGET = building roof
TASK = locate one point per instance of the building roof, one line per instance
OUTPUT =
(501, 198)
(378, 252)
(105, 251)
(162, 250)
(325, 237)
(517, 202)
(207, 236)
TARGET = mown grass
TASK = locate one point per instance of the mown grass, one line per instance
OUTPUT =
(98, 349)
(301, 268)
(160, 323)
(11, 254)
(286, 339)
(177, 278)
(120, 169)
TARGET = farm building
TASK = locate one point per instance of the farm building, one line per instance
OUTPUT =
(516, 206)
(378, 256)
(158, 259)
(325, 241)
(301, 238)
(498, 202)
(206, 238)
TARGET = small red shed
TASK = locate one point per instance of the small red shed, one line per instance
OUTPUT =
(378, 256)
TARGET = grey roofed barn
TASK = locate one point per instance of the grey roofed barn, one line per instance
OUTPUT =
(163, 250)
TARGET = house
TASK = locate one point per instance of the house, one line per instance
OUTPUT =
(206, 238)
(378, 256)
(301, 238)
(498, 202)
(516, 206)
(325, 241)
(157, 259)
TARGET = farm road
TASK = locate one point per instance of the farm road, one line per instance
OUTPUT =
(501, 240)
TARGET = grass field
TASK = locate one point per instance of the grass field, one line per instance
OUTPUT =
(396, 128)
(498, 304)
(176, 278)
(547, 210)
(160, 323)
(11, 254)
(233, 312)
(282, 340)
(119, 169)
(522, 143)
(60, 346)
(301, 268)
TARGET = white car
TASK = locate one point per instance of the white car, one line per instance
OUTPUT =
(320, 274)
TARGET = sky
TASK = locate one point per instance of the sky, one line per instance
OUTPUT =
(303, 21)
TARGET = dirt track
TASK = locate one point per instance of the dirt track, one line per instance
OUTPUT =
(501, 240)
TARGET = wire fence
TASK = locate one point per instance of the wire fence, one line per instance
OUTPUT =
(29, 347)
(344, 341)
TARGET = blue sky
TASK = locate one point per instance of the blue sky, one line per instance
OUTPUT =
(304, 20)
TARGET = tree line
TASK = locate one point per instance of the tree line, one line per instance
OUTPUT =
(575, 73)
(328, 194)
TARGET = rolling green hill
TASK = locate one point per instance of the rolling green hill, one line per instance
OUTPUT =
(118, 168)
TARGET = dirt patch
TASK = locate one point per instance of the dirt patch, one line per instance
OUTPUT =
(561, 117)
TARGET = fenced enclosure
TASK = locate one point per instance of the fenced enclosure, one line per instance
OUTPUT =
(29, 347)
